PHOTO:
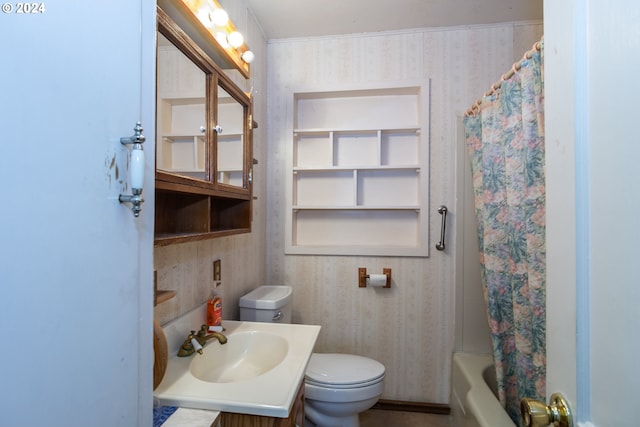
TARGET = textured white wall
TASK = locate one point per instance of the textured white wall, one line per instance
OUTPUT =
(409, 328)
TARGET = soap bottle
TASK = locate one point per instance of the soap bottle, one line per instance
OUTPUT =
(214, 310)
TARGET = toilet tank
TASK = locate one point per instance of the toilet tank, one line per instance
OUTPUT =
(271, 304)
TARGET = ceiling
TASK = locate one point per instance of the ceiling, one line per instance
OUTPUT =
(308, 18)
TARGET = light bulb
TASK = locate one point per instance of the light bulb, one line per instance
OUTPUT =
(221, 37)
(248, 57)
(219, 17)
(235, 39)
(204, 16)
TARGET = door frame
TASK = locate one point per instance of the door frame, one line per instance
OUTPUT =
(562, 199)
(146, 229)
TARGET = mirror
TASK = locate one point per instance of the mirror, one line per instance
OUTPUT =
(181, 146)
(230, 140)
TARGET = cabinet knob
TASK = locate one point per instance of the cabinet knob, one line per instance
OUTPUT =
(218, 129)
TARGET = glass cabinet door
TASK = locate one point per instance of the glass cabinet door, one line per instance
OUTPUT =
(182, 146)
(230, 140)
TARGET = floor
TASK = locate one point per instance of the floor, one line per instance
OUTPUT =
(384, 418)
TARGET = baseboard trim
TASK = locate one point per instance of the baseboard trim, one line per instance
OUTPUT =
(400, 405)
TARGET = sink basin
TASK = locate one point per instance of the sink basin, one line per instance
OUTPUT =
(258, 371)
(246, 355)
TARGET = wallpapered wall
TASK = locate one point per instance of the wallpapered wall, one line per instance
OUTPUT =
(409, 328)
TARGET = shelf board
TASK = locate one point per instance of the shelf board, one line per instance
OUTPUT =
(351, 168)
(181, 170)
(162, 296)
(182, 135)
(350, 250)
(182, 100)
(175, 238)
(358, 130)
(355, 208)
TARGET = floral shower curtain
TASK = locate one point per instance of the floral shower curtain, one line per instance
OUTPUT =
(505, 142)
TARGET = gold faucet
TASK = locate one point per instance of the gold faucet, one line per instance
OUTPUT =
(201, 338)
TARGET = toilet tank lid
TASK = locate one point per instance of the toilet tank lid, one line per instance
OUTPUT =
(267, 297)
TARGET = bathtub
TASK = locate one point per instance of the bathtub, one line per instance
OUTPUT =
(473, 400)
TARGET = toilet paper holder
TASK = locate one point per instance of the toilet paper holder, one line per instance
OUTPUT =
(363, 276)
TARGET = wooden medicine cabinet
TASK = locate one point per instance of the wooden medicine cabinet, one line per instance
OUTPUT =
(203, 146)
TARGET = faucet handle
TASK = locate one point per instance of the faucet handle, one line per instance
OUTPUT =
(202, 333)
(196, 345)
(188, 347)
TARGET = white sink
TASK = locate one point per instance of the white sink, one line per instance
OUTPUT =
(258, 371)
(246, 355)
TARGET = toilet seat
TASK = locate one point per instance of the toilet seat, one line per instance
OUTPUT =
(343, 371)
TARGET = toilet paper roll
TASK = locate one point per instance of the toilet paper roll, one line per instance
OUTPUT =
(377, 280)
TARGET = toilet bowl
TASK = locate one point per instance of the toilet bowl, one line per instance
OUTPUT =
(337, 386)
(340, 386)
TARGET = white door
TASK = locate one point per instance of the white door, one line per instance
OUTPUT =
(592, 58)
(75, 265)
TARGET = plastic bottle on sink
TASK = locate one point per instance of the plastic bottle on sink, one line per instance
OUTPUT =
(214, 310)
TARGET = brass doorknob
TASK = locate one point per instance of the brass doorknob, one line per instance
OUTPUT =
(537, 414)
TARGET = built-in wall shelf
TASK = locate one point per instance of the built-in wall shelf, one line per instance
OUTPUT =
(184, 217)
(358, 177)
(163, 296)
(160, 296)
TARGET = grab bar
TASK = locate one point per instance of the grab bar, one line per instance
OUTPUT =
(442, 210)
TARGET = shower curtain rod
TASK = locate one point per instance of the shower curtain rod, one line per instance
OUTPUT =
(475, 108)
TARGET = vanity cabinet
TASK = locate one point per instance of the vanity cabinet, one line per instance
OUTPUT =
(204, 144)
(359, 173)
(295, 419)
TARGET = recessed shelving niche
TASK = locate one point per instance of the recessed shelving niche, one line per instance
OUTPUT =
(359, 172)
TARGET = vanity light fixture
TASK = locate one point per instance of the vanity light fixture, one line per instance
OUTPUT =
(216, 21)
(136, 170)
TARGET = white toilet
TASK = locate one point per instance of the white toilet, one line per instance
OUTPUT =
(337, 386)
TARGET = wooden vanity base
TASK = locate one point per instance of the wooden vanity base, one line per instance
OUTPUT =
(296, 416)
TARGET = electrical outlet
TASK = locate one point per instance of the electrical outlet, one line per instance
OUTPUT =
(216, 270)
